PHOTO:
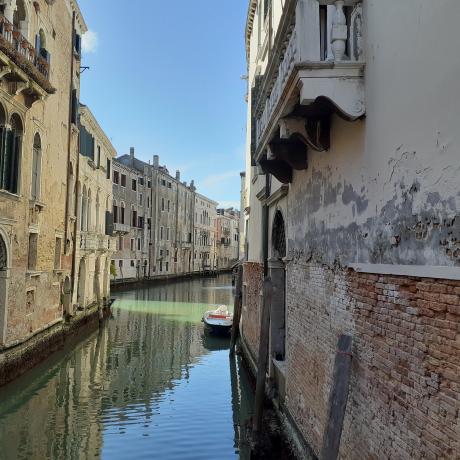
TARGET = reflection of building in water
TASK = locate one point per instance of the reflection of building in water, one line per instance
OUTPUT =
(213, 291)
(65, 400)
(164, 350)
(114, 379)
(242, 405)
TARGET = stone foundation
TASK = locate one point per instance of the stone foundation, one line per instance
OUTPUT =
(17, 360)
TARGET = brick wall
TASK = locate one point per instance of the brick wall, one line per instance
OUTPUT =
(404, 397)
(253, 274)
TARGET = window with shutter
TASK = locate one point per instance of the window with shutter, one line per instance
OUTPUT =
(36, 161)
(10, 148)
(75, 106)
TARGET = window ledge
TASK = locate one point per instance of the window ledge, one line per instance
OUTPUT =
(33, 273)
(58, 271)
(7, 194)
(37, 204)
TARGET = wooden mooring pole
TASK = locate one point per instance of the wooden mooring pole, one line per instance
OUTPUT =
(237, 309)
(337, 399)
(263, 358)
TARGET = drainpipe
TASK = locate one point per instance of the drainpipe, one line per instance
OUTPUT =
(69, 161)
(265, 225)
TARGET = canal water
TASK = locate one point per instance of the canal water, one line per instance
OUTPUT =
(149, 385)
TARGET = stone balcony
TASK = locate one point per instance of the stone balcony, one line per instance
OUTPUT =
(107, 243)
(93, 242)
(89, 241)
(315, 69)
(121, 228)
(21, 66)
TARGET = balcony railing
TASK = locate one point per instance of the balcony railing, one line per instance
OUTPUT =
(315, 68)
(24, 54)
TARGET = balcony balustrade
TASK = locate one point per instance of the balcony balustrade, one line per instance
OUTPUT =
(89, 241)
(107, 243)
(121, 228)
(315, 69)
(20, 63)
(95, 242)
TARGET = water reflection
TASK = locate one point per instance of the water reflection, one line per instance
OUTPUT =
(150, 384)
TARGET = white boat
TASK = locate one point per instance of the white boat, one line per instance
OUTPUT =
(218, 321)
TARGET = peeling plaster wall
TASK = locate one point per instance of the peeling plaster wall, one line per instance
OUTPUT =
(388, 190)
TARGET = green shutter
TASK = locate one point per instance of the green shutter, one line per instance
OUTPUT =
(14, 163)
(6, 176)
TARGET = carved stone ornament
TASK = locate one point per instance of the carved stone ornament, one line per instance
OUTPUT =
(356, 33)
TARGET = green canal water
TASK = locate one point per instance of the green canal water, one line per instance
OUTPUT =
(149, 385)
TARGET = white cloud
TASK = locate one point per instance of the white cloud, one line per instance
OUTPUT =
(90, 41)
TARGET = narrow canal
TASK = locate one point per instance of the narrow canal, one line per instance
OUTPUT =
(149, 384)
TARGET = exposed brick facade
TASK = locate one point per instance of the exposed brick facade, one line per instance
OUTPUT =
(250, 317)
(404, 399)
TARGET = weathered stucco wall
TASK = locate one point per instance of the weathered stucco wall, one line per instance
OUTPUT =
(34, 296)
(387, 191)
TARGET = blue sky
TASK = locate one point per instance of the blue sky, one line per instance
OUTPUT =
(165, 78)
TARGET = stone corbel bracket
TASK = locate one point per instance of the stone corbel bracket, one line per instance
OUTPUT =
(314, 131)
(342, 86)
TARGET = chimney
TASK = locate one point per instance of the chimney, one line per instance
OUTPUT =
(192, 186)
(156, 161)
(131, 155)
(178, 175)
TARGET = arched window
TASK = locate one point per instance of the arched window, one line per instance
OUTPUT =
(43, 56)
(98, 211)
(3, 287)
(115, 212)
(89, 221)
(36, 167)
(84, 210)
(3, 255)
(20, 18)
(10, 149)
(122, 213)
(278, 236)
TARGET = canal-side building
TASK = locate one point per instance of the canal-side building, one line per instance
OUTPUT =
(353, 212)
(39, 89)
(95, 243)
(227, 238)
(160, 238)
(242, 224)
(173, 201)
(205, 250)
(132, 216)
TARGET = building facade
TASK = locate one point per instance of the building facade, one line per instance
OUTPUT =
(227, 238)
(155, 217)
(132, 212)
(94, 243)
(352, 208)
(205, 250)
(39, 87)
